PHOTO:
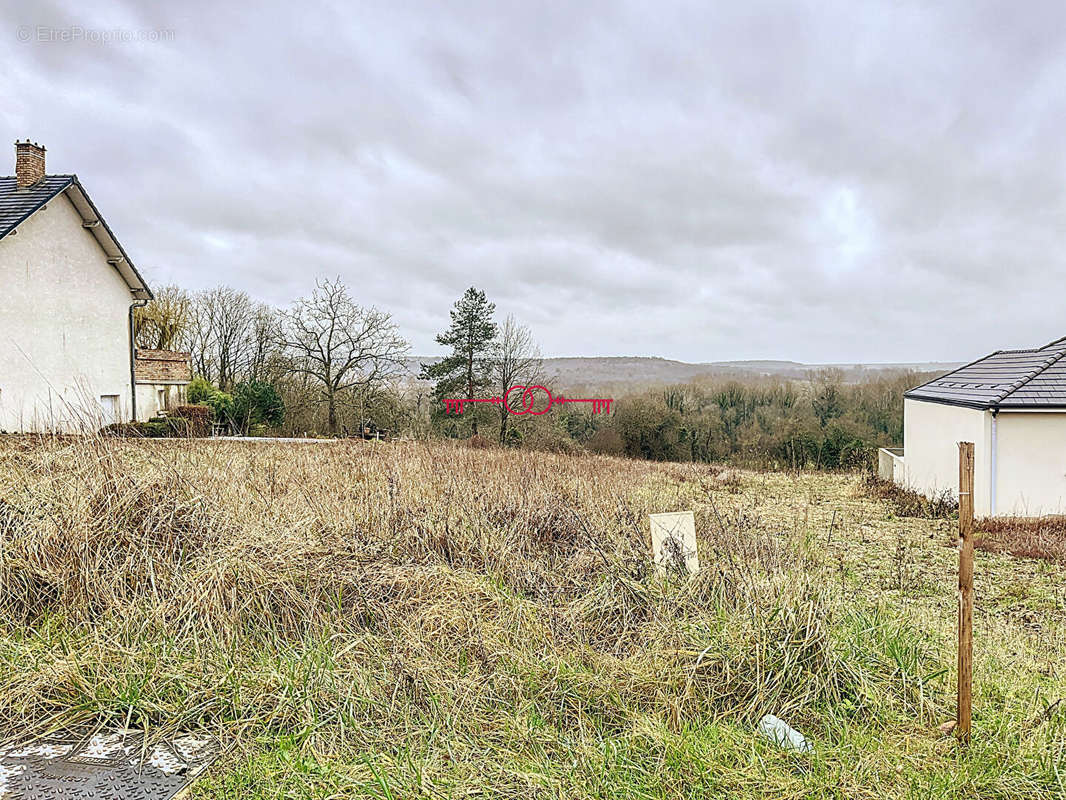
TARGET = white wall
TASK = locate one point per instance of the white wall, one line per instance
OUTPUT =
(148, 398)
(890, 466)
(1030, 463)
(64, 337)
(931, 433)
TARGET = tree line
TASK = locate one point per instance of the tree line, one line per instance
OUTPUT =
(326, 364)
(317, 365)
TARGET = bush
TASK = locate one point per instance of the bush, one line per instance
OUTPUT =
(203, 392)
(127, 430)
(1037, 537)
(155, 428)
(167, 427)
(199, 390)
(222, 404)
(200, 418)
(257, 404)
(607, 442)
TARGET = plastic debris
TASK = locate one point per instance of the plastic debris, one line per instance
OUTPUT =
(783, 735)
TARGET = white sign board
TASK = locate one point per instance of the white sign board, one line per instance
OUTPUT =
(673, 541)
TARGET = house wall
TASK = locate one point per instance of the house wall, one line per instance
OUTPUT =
(1030, 463)
(64, 337)
(148, 398)
(931, 433)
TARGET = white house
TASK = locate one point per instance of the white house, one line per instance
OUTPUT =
(1012, 406)
(66, 309)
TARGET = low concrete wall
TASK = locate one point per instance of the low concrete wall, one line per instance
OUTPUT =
(890, 466)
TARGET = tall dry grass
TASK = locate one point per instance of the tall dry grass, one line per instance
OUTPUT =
(368, 597)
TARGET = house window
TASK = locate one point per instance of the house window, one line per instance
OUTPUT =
(109, 408)
(162, 398)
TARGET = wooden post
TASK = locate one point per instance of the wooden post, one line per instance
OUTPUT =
(962, 729)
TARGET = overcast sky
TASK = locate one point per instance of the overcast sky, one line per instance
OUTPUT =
(705, 181)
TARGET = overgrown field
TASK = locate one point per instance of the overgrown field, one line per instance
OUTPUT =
(409, 620)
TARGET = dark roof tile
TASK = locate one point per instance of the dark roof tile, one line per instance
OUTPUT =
(1005, 379)
(18, 204)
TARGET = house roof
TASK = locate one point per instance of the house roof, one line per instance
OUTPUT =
(162, 366)
(1006, 379)
(17, 205)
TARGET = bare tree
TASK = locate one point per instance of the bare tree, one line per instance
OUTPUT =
(515, 360)
(339, 344)
(264, 363)
(827, 394)
(230, 336)
(164, 322)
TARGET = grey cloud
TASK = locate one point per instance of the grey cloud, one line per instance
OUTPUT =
(819, 181)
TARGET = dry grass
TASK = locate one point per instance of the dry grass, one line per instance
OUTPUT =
(403, 619)
(1024, 537)
(909, 503)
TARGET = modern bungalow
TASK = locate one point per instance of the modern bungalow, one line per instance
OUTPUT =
(1012, 406)
(66, 310)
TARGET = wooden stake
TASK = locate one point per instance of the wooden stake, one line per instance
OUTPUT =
(965, 686)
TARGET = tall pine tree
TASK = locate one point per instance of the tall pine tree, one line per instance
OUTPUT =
(465, 371)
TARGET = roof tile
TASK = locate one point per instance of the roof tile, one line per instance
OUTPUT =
(1005, 379)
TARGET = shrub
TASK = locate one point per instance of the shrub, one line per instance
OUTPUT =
(257, 404)
(607, 442)
(203, 392)
(127, 430)
(200, 418)
(222, 404)
(155, 428)
(1039, 537)
(199, 391)
(166, 427)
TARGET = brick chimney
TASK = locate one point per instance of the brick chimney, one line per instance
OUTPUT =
(29, 163)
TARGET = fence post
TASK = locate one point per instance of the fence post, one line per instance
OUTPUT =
(965, 678)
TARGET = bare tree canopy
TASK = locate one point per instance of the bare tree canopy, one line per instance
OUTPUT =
(230, 336)
(164, 322)
(515, 360)
(338, 344)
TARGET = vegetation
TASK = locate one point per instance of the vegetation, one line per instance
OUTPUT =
(515, 361)
(336, 367)
(1027, 537)
(200, 391)
(431, 620)
(328, 361)
(155, 428)
(257, 404)
(199, 418)
(909, 503)
(823, 423)
(466, 371)
(335, 346)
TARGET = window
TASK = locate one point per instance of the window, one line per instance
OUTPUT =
(109, 408)
(162, 398)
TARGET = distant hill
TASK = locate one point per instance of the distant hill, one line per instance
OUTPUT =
(641, 371)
